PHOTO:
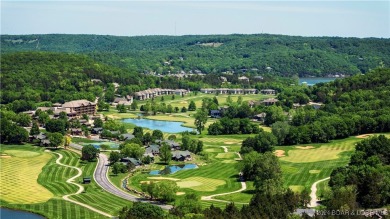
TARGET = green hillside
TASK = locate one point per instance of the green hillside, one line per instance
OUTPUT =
(284, 55)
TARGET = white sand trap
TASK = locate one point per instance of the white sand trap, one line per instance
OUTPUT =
(279, 153)
(363, 136)
(314, 171)
(183, 102)
(188, 184)
(180, 193)
(229, 142)
(163, 178)
(304, 147)
(5, 156)
(144, 182)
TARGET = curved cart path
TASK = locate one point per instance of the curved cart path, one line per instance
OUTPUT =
(313, 195)
(211, 197)
(81, 188)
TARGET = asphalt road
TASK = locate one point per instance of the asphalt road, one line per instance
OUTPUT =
(102, 180)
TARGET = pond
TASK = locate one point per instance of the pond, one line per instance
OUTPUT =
(164, 126)
(313, 81)
(173, 169)
(15, 214)
(112, 145)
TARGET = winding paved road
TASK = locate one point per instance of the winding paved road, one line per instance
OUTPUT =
(101, 178)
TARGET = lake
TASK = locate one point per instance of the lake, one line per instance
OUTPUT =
(173, 169)
(313, 81)
(164, 126)
(15, 214)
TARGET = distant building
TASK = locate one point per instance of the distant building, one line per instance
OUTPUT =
(268, 91)
(228, 91)
(181, 155)
(243, 78)
(260, 117)
(270, 101)
(125, 137)
(81, 107)
(215, 113)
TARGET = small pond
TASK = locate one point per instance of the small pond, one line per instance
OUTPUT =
(15, 214)
(113, 145)
(164, 126)
(313, 81)
(173, 169)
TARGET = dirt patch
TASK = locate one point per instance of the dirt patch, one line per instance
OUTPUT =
(229, 142)
(363, 136)
(304, 147)
(180, 193)
(163, 178)
(279, 153)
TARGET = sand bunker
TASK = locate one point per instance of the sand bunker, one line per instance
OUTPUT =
(163, 178)
(304, 147)
(183, 102)
(363, 136)
(279, 153)
(180, 193)
(5, 156)
(229, 142)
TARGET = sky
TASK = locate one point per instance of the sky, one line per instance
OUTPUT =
(181, 17)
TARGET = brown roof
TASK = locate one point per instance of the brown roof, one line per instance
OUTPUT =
(77, 103)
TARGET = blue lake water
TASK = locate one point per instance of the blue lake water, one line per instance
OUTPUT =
(313, 81)
(15, 214)
(173, 169)
(112, 145)
(164, 126)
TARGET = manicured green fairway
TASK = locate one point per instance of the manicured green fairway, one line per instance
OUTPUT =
(52, 177)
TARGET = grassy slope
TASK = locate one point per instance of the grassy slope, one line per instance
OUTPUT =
(53, 178)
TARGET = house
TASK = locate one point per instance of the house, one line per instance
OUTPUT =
(96, 131)
(250, 91)
(134, 161)
(181, 155)
(125, 137)
(316, 106)
(243, 78)
(174, 145)
(258, 77)
(153, 149)
(270, 101)
(75, 131)
(215, 113)
(207, 90)
(81, 107)
(45, 143)
(260, 117)
(268, 91)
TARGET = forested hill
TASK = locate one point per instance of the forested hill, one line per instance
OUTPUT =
(284, 55)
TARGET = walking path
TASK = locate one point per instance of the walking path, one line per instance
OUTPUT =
(211, 197)
(81, 188)
(313, 195)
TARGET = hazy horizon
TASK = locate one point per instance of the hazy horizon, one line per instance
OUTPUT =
(360, 19)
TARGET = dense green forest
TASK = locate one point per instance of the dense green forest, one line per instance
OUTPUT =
(257, 54)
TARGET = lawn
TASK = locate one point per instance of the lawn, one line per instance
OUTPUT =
(19, 175)
(47, 175)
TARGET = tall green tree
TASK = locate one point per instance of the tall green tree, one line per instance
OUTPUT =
(165, 153)
(34, 129)
(56, 139)
(201, 117)
(89, 153)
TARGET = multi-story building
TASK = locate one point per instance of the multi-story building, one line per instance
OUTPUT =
(80, 107)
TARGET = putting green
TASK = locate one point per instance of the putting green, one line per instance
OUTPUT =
(200, 183)
(226, 155)
(314, 155)
(19, 175)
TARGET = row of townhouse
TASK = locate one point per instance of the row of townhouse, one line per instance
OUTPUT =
(154, 92)
(228, 91)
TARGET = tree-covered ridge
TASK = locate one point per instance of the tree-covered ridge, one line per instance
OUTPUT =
(356, 105)
(286, 55)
